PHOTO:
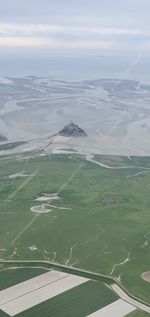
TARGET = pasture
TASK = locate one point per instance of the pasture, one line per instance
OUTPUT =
(100, 223)
(78, 302)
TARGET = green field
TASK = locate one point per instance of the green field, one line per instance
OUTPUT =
(77, 302)
(10, 277)
(106, 230)
(138, 313)
(2, 314)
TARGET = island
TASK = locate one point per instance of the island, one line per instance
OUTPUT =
(72, 130)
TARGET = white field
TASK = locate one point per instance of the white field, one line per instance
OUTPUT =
(25, 295)
(116, 309)
(30, 285)
(126, 298)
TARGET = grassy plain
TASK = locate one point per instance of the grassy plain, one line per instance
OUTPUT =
(106, 229)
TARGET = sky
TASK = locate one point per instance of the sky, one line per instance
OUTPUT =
(75, 27)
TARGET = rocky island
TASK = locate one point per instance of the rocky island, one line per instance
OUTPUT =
(72, 130)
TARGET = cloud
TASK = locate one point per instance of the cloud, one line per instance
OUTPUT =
(75, 25)
(53, 44)
(90, 45)
(63, 37)
(49, 37)
(28, 29)
(21, 42)
(103, 31)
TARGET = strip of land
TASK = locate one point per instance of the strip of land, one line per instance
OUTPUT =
(116, 309)
(20, 297)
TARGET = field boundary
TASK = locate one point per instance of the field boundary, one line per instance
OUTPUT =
(129, 298)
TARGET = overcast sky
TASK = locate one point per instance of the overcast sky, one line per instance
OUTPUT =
(111, 27)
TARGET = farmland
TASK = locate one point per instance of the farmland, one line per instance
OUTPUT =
(138, 314)
(80, 301)
(99, 223)
(9, 277)
(60, 294)
(3, 314)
